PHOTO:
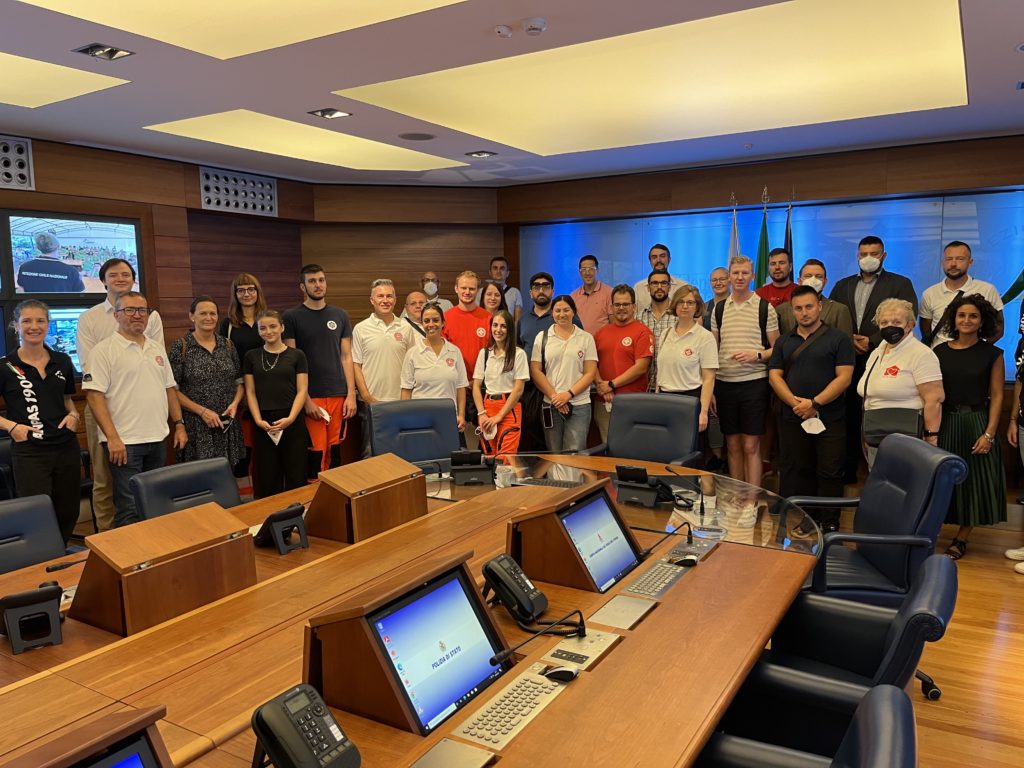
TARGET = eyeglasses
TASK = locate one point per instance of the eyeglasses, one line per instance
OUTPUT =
(541, 286)
(659, 283)
(246, 289)
(688, 303)
(620, 305)
(588, 270)
(719, 279)
(137, 311)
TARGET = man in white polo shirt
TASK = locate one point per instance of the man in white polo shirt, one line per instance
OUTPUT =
(131, 391)
(956, 260)
(94, 325)
(379, 344)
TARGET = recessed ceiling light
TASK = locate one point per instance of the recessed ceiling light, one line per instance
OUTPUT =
(1020, 48)
(1020, 85)
(481, 154)
(107, 52)
(417, 136)
(329, 113)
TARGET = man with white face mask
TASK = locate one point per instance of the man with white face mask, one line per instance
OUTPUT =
(862, 293)
(431, 285)
(833, 314)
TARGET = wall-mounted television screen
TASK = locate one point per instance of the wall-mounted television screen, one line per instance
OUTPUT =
(63, 333)
(60, 255)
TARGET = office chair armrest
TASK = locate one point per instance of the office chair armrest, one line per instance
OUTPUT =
(726, 751)
(600, 449)
(690, 459)
(831, 502)
(819, 582)
(780, 683)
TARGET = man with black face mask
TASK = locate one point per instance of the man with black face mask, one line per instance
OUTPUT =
(862, 293)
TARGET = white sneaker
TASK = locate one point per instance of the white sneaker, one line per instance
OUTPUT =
(1019, 567)
(1015, 554)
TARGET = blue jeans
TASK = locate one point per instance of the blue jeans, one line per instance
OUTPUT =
(142, 457)
(569, 434)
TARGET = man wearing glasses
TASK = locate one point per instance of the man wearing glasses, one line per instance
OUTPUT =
(131, 391)
(593, 298)
(624, 353)
(659, 258)
(95, 325)
(656, 317)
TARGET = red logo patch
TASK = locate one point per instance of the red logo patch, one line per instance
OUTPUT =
(892, 370)
(688, 352)
(398, 336)
(450, 361)
(580, 354)
(627, 342)
(159, 360)
(481, 332)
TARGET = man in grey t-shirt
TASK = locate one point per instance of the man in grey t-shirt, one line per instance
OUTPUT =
(324, 334)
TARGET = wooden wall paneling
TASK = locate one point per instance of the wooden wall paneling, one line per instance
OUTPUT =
(354, 255)
(405, 205)
(99, 173)
(956, 165)
(295, 200)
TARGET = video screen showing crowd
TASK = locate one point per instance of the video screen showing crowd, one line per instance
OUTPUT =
(791, 371)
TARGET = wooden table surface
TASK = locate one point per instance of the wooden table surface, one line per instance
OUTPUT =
(670, 678)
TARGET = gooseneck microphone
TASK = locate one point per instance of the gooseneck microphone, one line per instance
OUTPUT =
(581, 631)
(689, 538)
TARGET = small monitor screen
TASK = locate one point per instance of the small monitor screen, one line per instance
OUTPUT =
(133, 752)
(53, 255)
(439, 646)
(63, 333)
(600, 538)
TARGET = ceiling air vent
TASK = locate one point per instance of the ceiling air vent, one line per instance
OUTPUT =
(16, 170)
(237, 192)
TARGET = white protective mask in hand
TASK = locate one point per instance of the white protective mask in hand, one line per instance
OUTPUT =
(813, 426)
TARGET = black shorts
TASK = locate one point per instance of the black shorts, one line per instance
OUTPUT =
(742, 406)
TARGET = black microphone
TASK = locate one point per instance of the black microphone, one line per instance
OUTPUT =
(581, 631)
(689, 538)
(62, 566)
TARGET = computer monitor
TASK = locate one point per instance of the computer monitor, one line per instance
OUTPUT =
(133, 752)
(63, 333)
(438, 643)
(600, 537)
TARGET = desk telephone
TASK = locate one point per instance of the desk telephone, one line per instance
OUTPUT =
(297, 730)
(514, 589)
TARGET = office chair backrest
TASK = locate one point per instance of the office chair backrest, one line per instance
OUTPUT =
(419, 431)
(7, 487)
(29, 533)
(907, 492)
(882, 732)
(181, 486)
(653, 427)
(922, 618)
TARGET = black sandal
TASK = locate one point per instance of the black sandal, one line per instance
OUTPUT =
(957, 549)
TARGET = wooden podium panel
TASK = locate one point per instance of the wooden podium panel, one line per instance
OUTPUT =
(140, 575)
(362, 499)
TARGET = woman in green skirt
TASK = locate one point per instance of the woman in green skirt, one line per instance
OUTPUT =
(972, 375)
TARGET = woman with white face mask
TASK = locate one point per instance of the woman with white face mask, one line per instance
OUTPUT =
(903, 377)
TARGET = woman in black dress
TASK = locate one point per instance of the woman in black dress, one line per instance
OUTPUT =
(276, 382)
(209, 376)
(37, 384)
(972, 375)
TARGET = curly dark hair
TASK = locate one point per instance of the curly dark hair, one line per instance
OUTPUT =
(989, 316)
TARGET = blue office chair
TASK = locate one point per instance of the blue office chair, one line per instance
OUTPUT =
(827, 653)
(7, 488)
(29, 533)
(423, 432)
(661, 428)
(181, 486)
(882, 732)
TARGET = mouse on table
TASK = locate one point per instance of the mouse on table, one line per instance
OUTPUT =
(564, 674)
(687, 561)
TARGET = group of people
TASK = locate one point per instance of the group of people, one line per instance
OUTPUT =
(273, 393)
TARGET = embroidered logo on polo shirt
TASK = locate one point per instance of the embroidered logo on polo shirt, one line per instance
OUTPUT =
(59, 375)
(580, 354)
(481, 332)
(892, 370)
(688, 352)
(627, 341)
(159, 361)
(398, 336)
(450, 361)
(87, 377)
(332, 325)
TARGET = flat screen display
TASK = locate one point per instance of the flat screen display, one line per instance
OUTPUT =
(63, 256)
(134, 752)
(439, 647)
(599, 537)
(63, 333)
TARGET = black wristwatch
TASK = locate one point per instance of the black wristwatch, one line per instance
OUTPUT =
(926, 433)
(611, 385)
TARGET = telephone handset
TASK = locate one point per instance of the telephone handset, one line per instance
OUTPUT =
(514, 589)
(297, 730)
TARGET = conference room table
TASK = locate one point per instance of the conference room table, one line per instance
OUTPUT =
(652, 700)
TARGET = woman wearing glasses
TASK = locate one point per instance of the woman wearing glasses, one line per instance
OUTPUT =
(687, 353)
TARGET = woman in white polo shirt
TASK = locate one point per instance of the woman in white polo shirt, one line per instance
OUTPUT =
(687, 353)
(433, 367)
(562, 366)
(902, 372)
(499, 378)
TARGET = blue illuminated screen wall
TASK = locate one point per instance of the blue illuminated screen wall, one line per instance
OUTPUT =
(438, 648)
(914, 232)
(599, 537)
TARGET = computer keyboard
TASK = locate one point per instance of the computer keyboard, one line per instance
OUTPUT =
(548, 482)
(656, 580)
(505, 715)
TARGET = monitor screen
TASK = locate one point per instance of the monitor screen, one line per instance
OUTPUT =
(599, 536)
(133, 752)
(63, 333)
(439, 646)
(59, 255)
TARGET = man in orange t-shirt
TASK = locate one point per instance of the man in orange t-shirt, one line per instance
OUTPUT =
(468, 326)
(624, 351)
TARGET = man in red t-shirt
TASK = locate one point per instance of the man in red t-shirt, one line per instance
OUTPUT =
(780, 270)
(624, 351)
(468, 327)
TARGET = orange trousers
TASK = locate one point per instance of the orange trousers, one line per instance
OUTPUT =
(506, 440)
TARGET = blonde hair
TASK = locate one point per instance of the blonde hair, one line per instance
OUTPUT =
(682, 293)
(896, 305)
